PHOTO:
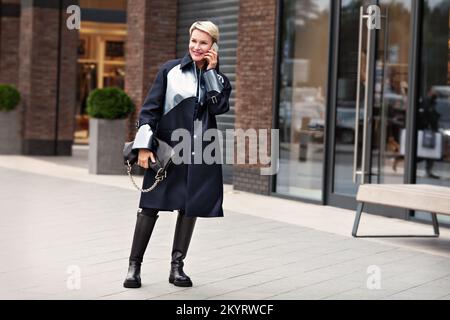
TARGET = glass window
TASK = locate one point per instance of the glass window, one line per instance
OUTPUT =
(433, 110)
(101, 55)
(303, 80)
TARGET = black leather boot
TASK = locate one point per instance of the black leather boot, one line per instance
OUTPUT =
(183, 234)
(142, 232)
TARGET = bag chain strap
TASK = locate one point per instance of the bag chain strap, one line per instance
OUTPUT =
(160, 175)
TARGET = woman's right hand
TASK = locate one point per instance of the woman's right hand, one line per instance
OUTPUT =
(144, 155)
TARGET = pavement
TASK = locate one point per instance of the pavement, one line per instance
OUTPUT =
(66, 234)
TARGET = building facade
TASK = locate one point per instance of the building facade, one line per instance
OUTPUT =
(355, 100)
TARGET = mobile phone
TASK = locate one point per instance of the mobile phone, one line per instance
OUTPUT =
(214, 47)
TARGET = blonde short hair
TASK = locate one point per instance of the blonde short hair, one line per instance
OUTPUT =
(206, 26)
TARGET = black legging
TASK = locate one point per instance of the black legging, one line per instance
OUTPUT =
(150, 212)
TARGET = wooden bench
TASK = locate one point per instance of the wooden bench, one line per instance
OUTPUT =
(423, 197)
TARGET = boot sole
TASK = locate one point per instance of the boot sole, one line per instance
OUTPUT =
(132, 285)
(180, 284)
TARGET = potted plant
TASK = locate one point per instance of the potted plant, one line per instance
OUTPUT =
(108, 109)
(10, 136)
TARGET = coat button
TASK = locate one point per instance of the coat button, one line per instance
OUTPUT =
(193, 152)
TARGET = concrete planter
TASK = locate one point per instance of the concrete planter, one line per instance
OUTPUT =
(10, 137)
(106, 140)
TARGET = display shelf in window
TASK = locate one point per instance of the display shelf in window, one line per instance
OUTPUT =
(114, 50)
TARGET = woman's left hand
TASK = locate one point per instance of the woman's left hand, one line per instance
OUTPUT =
(211, 58)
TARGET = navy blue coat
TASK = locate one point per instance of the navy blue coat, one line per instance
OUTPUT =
(179, 95)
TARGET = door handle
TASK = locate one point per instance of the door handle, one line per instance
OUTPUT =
(366, 119)
(368, 61)
(358, 96)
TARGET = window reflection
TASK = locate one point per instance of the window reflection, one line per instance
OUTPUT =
(433, 111)
(388, 108)
(303, 75)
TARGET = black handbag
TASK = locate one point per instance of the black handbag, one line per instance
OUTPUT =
(163, 159)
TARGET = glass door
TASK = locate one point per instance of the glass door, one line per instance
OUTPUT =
(302, 103)
(433, 108)
(369, 118)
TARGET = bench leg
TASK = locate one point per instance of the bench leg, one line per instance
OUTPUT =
(359, 210)
(435, 224)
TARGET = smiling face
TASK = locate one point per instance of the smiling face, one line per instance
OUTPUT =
(199, 44)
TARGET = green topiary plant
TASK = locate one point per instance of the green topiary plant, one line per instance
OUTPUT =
(109, 103)
(9, 97)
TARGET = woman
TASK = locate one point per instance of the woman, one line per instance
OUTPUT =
(185, 90)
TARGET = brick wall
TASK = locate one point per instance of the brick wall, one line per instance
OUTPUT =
(39, 82)
(151, 41)
(9, 41)
(68, 84)
(255, 81)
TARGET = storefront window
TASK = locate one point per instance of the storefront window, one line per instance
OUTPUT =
(433, 111)
(101, 55)
(303, 80)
